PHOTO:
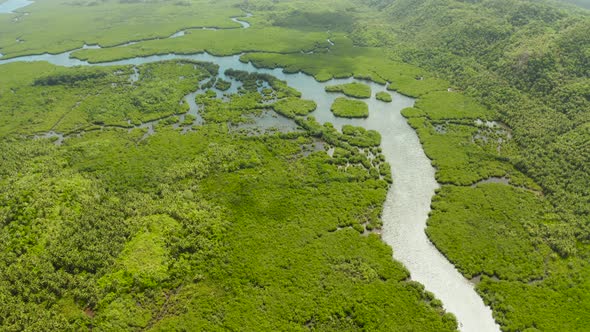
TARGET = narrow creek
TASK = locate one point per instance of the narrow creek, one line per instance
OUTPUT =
(408, 201)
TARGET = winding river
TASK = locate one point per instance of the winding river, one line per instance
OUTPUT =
(408, 201)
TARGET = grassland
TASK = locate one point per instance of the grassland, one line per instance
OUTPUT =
(216, 42)
(55, 26)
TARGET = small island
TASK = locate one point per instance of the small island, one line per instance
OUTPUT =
(292, 106)
(355, 90)
(361, 137)
(384, 97)
(222, 84)
(349, 108)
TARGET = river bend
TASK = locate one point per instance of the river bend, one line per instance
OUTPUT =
(408, 201)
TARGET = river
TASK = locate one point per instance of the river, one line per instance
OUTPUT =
(408, 201)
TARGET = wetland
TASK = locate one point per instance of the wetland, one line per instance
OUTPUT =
(291, 166)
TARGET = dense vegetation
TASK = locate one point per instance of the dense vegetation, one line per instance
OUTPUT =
(537, 86)
(350, 108)
(356, 90)
(522, 60)
(384, 96)
(222, 84)
(524, 64)
(529, 66)
(94, 98)
(203, 229)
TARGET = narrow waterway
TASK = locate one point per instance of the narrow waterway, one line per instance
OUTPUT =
(10, 6)
(408, 201)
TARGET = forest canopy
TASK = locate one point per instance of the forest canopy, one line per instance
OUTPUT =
(123, 209)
